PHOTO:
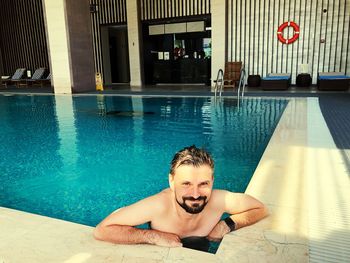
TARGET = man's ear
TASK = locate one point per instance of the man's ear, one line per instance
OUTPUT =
(171, 182)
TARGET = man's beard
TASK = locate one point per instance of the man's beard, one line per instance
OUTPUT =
(196, 208)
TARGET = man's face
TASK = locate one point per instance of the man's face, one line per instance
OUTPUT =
(192, 187)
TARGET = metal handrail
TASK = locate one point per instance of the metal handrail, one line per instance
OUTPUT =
(219, 82)
(242, 82)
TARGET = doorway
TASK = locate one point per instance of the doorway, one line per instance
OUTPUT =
(115, 54)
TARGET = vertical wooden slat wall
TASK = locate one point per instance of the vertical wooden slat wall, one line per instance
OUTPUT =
(162, 9)
(22, 35)
(252, 36)
(107, 12)
(1, 65)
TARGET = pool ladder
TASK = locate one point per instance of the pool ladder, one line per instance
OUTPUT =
(219, 84)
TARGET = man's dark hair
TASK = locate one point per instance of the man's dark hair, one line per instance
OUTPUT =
(191, 156)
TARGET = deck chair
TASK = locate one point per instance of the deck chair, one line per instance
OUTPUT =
(333, 81)
(44, 81)
(37, 76)
(276, 81)
(232, 74)
(18, 75)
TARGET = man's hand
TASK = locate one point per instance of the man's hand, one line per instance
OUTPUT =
(218, 231)
(164, 239)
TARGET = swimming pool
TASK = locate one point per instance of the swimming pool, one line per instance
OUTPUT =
(79, 158)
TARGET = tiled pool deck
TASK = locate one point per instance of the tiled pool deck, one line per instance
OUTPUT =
(301, 177)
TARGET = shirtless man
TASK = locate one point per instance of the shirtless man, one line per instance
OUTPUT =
(190, 207)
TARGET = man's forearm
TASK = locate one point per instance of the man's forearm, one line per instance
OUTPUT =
(249, 217)
(121, 234)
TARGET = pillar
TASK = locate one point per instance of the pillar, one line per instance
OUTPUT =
(69, 45)
(134, 40)
(80, 46)
(218, 37)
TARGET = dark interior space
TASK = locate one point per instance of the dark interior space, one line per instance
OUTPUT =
(119, 54)
(181, 58)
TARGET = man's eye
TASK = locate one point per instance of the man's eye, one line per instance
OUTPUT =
(186, 184)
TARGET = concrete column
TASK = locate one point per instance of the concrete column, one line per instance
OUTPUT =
(57, 43)
(218, 37)
(70, 45)
(82, 66)
(134, 39)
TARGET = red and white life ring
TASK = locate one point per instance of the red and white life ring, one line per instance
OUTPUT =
(283, 26)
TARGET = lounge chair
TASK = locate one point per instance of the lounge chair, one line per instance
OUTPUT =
(37, 76)
(232, 74)
(18, 75)
(43, 82)
(276, 81)
(330, 81)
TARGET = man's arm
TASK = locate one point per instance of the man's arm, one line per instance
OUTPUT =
(118, 226)
(245, 210)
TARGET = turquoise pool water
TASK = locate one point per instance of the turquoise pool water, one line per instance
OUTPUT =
(79, 158)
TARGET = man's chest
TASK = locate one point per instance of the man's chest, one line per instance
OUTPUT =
(185, 228)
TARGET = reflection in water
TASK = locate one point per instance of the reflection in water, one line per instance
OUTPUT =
(129, 113)
(79, 158)
(66, 132)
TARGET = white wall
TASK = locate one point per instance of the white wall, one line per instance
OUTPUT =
(252, 36)
(218, 36)
(134, 42)
(57, 39)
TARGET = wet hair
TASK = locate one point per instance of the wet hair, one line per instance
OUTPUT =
(191, 156)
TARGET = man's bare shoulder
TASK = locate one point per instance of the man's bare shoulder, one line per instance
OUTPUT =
(219, 193)
(234, 202)
(223, 195)
(159, 201)
(140, 212)
(220, 197)
(164, 194)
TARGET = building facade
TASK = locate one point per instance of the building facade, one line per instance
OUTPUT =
(143, 42)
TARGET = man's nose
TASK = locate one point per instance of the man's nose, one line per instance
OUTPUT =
(195, 192)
